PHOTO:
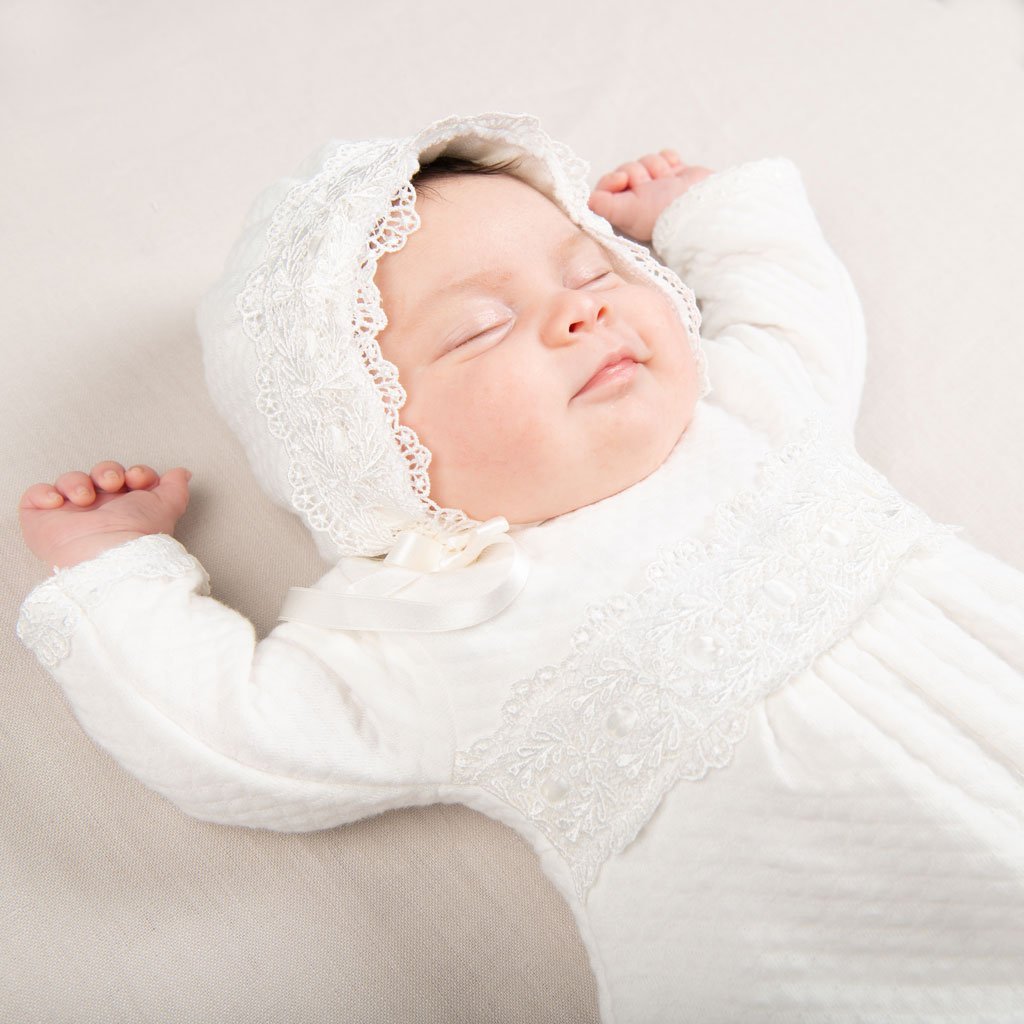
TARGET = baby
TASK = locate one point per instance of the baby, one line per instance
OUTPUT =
(759, 717)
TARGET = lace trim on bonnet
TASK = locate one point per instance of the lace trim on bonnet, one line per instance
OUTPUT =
(295, 367)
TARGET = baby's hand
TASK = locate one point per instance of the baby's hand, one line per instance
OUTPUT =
(631, 197)
(108, 507)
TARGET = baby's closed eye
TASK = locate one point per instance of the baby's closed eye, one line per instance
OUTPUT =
(599, 277)
(486, 330)
(594, 268)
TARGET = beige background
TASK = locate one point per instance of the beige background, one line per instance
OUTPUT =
(134, 135)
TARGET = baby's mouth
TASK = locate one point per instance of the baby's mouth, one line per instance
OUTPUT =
(617, 369)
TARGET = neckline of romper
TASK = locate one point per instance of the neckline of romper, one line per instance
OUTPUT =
(621, 538)
(659, 679)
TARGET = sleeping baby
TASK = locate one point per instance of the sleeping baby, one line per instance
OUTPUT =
(605, 565)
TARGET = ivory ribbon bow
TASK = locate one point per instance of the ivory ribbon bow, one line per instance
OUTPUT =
(371, 604)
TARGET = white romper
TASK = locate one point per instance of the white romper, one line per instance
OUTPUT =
(761, 719)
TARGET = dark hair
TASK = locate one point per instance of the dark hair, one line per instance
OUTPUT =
(445, 166)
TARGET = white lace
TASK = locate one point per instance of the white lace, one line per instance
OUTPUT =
(53, 610)
(659, 684)
(313, 313)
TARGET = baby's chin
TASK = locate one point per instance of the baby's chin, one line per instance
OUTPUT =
(535, 508)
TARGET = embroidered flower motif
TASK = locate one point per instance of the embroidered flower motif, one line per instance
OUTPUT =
(657, 686)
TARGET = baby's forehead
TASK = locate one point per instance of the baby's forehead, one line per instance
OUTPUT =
(500, 212)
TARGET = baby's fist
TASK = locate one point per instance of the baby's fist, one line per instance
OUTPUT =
(632, 196)
(82, 515)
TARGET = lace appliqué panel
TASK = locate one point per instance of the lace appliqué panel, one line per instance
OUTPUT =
(658, 685)
(53, 611)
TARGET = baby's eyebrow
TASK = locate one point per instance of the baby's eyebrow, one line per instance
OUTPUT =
(465, 284)
(572, 242)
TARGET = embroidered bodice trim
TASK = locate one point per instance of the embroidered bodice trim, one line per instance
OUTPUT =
(658, 685)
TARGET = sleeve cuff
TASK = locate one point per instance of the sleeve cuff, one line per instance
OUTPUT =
(721, 187)
(53, 611)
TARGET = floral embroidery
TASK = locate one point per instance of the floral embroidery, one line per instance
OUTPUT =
(658, 685)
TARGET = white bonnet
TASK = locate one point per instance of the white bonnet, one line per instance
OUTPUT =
(289, 333)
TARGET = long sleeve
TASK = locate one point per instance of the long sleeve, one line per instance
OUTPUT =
(747, 242)
(307, 729)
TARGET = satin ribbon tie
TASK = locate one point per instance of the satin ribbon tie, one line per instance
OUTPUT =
(371, 602)
(416, 551)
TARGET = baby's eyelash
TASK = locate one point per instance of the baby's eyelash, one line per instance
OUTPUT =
(598, 277)
(480, 334)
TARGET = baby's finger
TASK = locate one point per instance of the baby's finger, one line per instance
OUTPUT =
(140, 477)
(173, 489)
(615, 207)
(41, 496)
(108, 476)
(613, 181)
(76, 487)
(672, 157)
(638, 174)
(657, 166)
(601, 202)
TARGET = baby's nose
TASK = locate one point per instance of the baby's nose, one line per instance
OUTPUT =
(575, 313)
(597, 316)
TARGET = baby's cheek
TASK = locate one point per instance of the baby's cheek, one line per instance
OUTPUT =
(495, 436)
(502, 418)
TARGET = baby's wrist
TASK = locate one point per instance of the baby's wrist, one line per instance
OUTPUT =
(83, 549)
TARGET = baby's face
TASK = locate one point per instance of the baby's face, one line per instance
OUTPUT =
(500, 313)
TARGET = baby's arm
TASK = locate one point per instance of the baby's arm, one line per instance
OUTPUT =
(306, 729)
(747, 242)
